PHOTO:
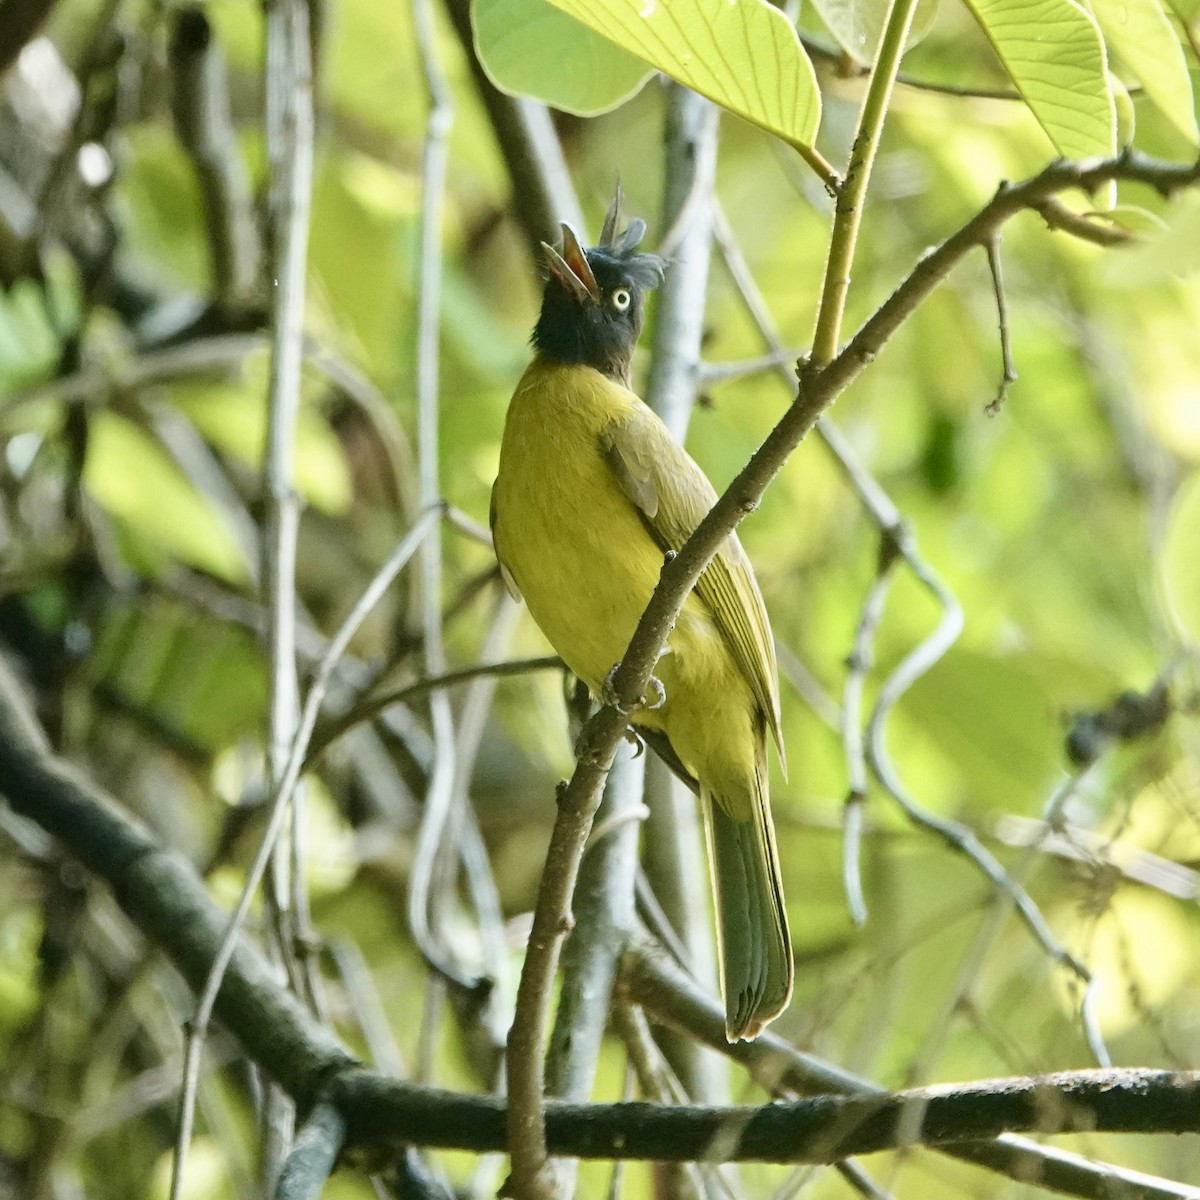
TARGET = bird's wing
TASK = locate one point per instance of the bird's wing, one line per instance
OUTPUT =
(673, 496)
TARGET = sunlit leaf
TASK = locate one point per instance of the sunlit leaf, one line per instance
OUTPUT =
(1053, 51)
(531, 48)
(858, 24)
(131, 476)
(1180, 563)
(745, 57)
(1170, 251)
(239, 429)
(1139, 31)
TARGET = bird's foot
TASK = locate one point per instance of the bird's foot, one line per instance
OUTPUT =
(654, 698)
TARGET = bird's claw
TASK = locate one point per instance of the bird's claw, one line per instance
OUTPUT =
(608, 692)
(654, 698)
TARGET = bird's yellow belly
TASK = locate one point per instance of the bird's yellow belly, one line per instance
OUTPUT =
(583, 563)
(586, 568)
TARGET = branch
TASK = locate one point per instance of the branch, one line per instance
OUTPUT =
(289, 122)
(19, 22)
(161, 893)
(200, 107)
(822, 1129)
(314, 1155)
(819, 387)
(852, 194)
(670, 996)
(1060, 176)
(373, 706)
(439, 794)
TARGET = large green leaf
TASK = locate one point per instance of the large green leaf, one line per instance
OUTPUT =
(1053, 52)
(530, 48)
(746, 57)
(1140, 32)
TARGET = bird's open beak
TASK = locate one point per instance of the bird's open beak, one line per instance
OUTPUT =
(571, 268)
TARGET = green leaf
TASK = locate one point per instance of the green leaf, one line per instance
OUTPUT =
(530, 48)
(1140, 32)
(131, 477)
(1053, 52)
(746, 57)
(1170, 251)
(1180, 563)
(857, 25)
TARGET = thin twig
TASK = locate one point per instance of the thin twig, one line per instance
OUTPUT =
(374, 706)
(200, 107)
(673, 847)
(1098, 228)
(434, 157)
(289, 121)
(725, 371)
(859, 664)
(958, 836)
(198, 1027)
(1009, 375)
(460, 841)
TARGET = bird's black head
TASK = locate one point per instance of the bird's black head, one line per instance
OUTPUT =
(594, 302)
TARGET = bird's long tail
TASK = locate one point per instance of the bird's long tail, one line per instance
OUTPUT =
(752, 927)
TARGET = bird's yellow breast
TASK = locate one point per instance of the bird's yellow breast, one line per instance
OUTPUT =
(564, 529)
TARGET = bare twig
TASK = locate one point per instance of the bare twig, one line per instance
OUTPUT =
(913, 666)
(313, 1157)
(373, 706)
(1009, 375)
(434, 156)
(289, 147)
(280, 807)
(1098, 228)
(859, 664)
(726, 371)
(200, 106)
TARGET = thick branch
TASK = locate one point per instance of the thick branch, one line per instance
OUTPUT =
(164, 897)
(822, 1129)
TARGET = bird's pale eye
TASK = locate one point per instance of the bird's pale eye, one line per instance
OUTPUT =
(621, 299)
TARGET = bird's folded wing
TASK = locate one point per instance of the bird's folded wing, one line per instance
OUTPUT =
(673, 496)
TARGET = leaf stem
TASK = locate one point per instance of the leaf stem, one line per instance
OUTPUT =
(852, 193)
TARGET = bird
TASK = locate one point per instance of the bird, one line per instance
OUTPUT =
(592, 493)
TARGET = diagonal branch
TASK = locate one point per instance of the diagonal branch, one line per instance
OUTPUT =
(819, 387)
